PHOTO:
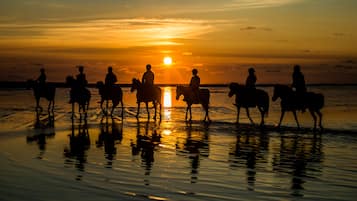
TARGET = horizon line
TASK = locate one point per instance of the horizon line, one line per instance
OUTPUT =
(22, 84)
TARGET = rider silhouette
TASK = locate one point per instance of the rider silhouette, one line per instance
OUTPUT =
(299, 86)
(110, 78)
(148, 80)
(195, 85)
(251, 79)
(81, 78)
(250, 86)
(41, 80)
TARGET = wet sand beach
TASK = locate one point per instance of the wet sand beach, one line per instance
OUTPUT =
(125, 159)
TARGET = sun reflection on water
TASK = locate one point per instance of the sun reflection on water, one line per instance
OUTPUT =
(167, 103)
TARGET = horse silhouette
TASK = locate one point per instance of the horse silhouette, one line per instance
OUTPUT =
(314, 102)
(115, 94)
(204, 97)
(248, 99)
(142, 95)
(78, 95)
(48, 91)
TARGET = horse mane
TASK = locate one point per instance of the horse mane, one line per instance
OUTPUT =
(137, 81)
(99, 84)
(283, 87)
(234, 85)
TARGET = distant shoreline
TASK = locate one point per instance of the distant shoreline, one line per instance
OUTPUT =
(19, 85)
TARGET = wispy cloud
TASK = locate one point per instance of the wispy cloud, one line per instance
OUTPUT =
(116, 32)
(240, 4)
(250, 28)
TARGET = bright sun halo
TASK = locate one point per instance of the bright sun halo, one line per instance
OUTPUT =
(167, 60)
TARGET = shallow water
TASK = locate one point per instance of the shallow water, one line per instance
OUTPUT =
(115, 159)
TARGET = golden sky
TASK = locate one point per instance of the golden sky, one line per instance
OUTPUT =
(220, 38)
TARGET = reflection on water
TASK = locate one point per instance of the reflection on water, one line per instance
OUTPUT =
(44, 129)
(194, 145)
(250, 148)
(167, 97)
(167, 103)
(301, 157)
(79, 144)
(111, 134)
(147, 139)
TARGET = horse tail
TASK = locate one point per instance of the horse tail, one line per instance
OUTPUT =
(266, 104)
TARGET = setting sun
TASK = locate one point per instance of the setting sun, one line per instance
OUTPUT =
(167, 60)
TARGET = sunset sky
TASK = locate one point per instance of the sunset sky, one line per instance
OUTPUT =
(221, 38)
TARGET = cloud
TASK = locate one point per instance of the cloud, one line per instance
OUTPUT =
(244, 4)
(250, 28)
(339, 34)
(113, 32)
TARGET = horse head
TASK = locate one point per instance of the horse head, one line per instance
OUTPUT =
(135, 85)
(30, 84)
(99, 84)
(280, 91)
(234, 88)
(179, 91)
(70, 80)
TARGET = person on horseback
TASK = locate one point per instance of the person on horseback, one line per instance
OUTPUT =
(251, 79)
(195, 85)
(81, 78)
(148, 81)
(110, 79)
(250, 86)
(41, 80)
(299, 86)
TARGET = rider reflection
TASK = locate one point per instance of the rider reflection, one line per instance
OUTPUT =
(111, 134)
(145, 146)
(79, 144)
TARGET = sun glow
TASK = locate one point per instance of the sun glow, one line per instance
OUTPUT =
(167, 60)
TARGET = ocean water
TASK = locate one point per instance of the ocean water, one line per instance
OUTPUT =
(104, 158)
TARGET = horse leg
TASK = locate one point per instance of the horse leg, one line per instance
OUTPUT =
(262, 113)
(320, 121)
(238, 111)
(122, 108)
(101, 105)
(114, 105)
(314, 117)
(147, 109)
(281, 117)
(250, 119)
(190, 113)
(137, 113)
(155, 104)
(86, 109)
(186, 113)
(38, 105)
(72, 111)
(296, 119)
(206, 108)
(106, 107)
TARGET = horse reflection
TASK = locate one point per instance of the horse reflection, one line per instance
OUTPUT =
(145, 145)
(299, 156)
(44, 129)
(111, 134)
(78, 145)
(196, 146)
(250, 149)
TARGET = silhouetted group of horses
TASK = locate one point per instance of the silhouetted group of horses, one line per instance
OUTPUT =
(245, 98)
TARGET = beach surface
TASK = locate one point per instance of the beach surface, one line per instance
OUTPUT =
(103, 158)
